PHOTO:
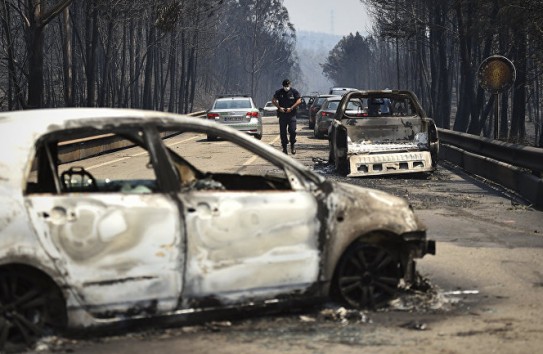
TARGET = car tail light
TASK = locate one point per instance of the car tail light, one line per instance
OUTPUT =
(212, 116)
(251, 114)
(326, 114)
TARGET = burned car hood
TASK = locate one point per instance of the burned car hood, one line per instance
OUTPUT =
(372, 199)
(359, 205)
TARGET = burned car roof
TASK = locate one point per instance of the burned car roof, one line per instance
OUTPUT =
(20, 129)
(392, 136)
(112, 216)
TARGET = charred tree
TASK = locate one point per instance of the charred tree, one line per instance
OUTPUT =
(38, 19)
(518, 115)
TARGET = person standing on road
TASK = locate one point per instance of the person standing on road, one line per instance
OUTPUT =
(287, 99)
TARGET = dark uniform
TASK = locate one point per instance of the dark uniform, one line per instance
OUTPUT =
(287, 120)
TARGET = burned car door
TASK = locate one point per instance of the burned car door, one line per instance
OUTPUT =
(250, 234)
(243, 244)
(108, 225)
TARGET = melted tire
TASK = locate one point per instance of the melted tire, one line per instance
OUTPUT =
(342, 166)
(31, 306)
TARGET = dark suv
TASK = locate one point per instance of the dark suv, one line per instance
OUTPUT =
(315, 107)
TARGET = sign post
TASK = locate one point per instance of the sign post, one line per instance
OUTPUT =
(496, 74)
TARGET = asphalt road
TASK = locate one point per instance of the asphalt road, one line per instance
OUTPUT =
(484, 288)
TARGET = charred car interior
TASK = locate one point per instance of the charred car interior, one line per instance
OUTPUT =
(392, 136)
(150, 224)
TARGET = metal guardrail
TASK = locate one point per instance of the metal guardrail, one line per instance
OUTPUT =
(79, 149)
(514, 154)
(514, 166)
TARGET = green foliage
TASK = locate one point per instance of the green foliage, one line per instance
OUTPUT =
(349, 62)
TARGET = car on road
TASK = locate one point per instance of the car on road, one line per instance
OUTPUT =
(152, 229)
(269, 110)
(325, 116)
(315, 107)
(394, 137)
(237, 111)
(307, 100)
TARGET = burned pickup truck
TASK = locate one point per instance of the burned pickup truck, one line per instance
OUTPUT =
(392, 135)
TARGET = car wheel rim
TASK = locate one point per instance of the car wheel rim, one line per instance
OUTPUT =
(29, 307)
(368, 276)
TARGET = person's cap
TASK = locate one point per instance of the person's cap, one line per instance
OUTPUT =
(286, 82)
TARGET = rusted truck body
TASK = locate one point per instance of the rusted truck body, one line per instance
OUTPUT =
(393, 135)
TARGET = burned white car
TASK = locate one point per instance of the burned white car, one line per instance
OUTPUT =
(393, 135)
(155, 228)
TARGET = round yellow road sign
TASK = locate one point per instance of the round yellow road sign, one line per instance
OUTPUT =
(496, 74)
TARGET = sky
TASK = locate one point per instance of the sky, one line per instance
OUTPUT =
(339, 17)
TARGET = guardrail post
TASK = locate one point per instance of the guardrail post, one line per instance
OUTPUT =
(497, 116)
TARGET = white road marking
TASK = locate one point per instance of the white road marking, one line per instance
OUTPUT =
(254, 157)
(183, 141)
(136, 155)
(251, 160)
(247, 163)
(275, 140)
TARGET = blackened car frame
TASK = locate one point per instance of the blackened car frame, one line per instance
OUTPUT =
(93, 242)
(393, 136)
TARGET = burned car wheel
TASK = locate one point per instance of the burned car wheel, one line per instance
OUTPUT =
(330, 154)
(367, 276)
(342, 166)
(31, 307)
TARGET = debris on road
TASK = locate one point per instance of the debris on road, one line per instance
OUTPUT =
(344, 315)
(416, 325)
